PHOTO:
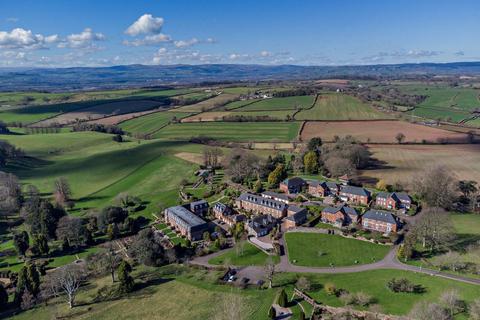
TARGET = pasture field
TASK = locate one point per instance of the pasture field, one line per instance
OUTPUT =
(151, 122)
(383, 131)
(218, 115)
(442, 102)
(326, 250)
(403, 162)
(251, 256)
(466, 223)
(232, 131)
(338, 106)
(98, 168)
(102, 110)
(208, 104)
(287, 103)
(31, 98)
(237, 104)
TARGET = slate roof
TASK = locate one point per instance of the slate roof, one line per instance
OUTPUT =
(380, 215)
(350, 211)
(223, 208)
(384, 195)
(252, 198)
(299, 216)
(262, 222)
(276, 195)
(188, 217)
(332, 209)
(295, 181)
(331, 185)
(356, 191)
(403, 196)
(295, 209)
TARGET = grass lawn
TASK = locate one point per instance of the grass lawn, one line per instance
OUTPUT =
(162, 295)
(466, 223)
(287, 103)
(232, 131)
(151, 122)
(374, 283)
(252, 256)
(335, 250)
(337, 106)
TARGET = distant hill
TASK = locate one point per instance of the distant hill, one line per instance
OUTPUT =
(58, 79)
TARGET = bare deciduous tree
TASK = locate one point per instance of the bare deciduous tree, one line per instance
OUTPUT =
(434, 228)
(452, 302)
(437, 187)
(269, 271)
(474, 310)
(62, 191)
(428, 311)
(65, 280)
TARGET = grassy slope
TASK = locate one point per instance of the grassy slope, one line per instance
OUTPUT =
(150, 122)
(335, 249)
(185, 297)
(252, 256)
(287, 103)
(98, 168)
(340, 107)
(232, 131)
(466, 223)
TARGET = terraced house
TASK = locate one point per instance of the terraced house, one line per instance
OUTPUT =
(186, 222)
(258, 204)
(379, 220)
(355, 195)
(226, 214)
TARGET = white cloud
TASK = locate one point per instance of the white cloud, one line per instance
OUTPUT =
(20, 38)
(186, 43)
(211, 40)
(146, 24)
(12, 20)
(148, 40)
(85, 39)
(460, 53)
(265, 53)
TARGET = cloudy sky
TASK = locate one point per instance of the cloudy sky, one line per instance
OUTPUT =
(54, 33)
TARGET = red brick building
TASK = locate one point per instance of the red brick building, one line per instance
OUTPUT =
(381, 221)
(292, 185)
(355, 195)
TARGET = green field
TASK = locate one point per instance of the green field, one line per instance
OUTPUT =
(287, 103)
(232, 131)
(98, 168)
(325, 250)
(251, 256)
(442, 102)
(151, 122)
(374, 283)
(466, 223)
(237, 104)
(338, 106)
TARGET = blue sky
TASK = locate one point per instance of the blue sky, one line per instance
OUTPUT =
(100, 33)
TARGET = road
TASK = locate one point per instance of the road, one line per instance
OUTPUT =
(390, 261)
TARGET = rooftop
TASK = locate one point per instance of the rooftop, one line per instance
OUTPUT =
(184, 214)
(380, 215)
(252, 198)
(359, 191)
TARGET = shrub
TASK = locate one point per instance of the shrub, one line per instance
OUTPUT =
(330, 289)
(282, 299)
(404, 285)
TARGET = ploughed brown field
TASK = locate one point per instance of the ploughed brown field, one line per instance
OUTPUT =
(383, 131)
(400, 163)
